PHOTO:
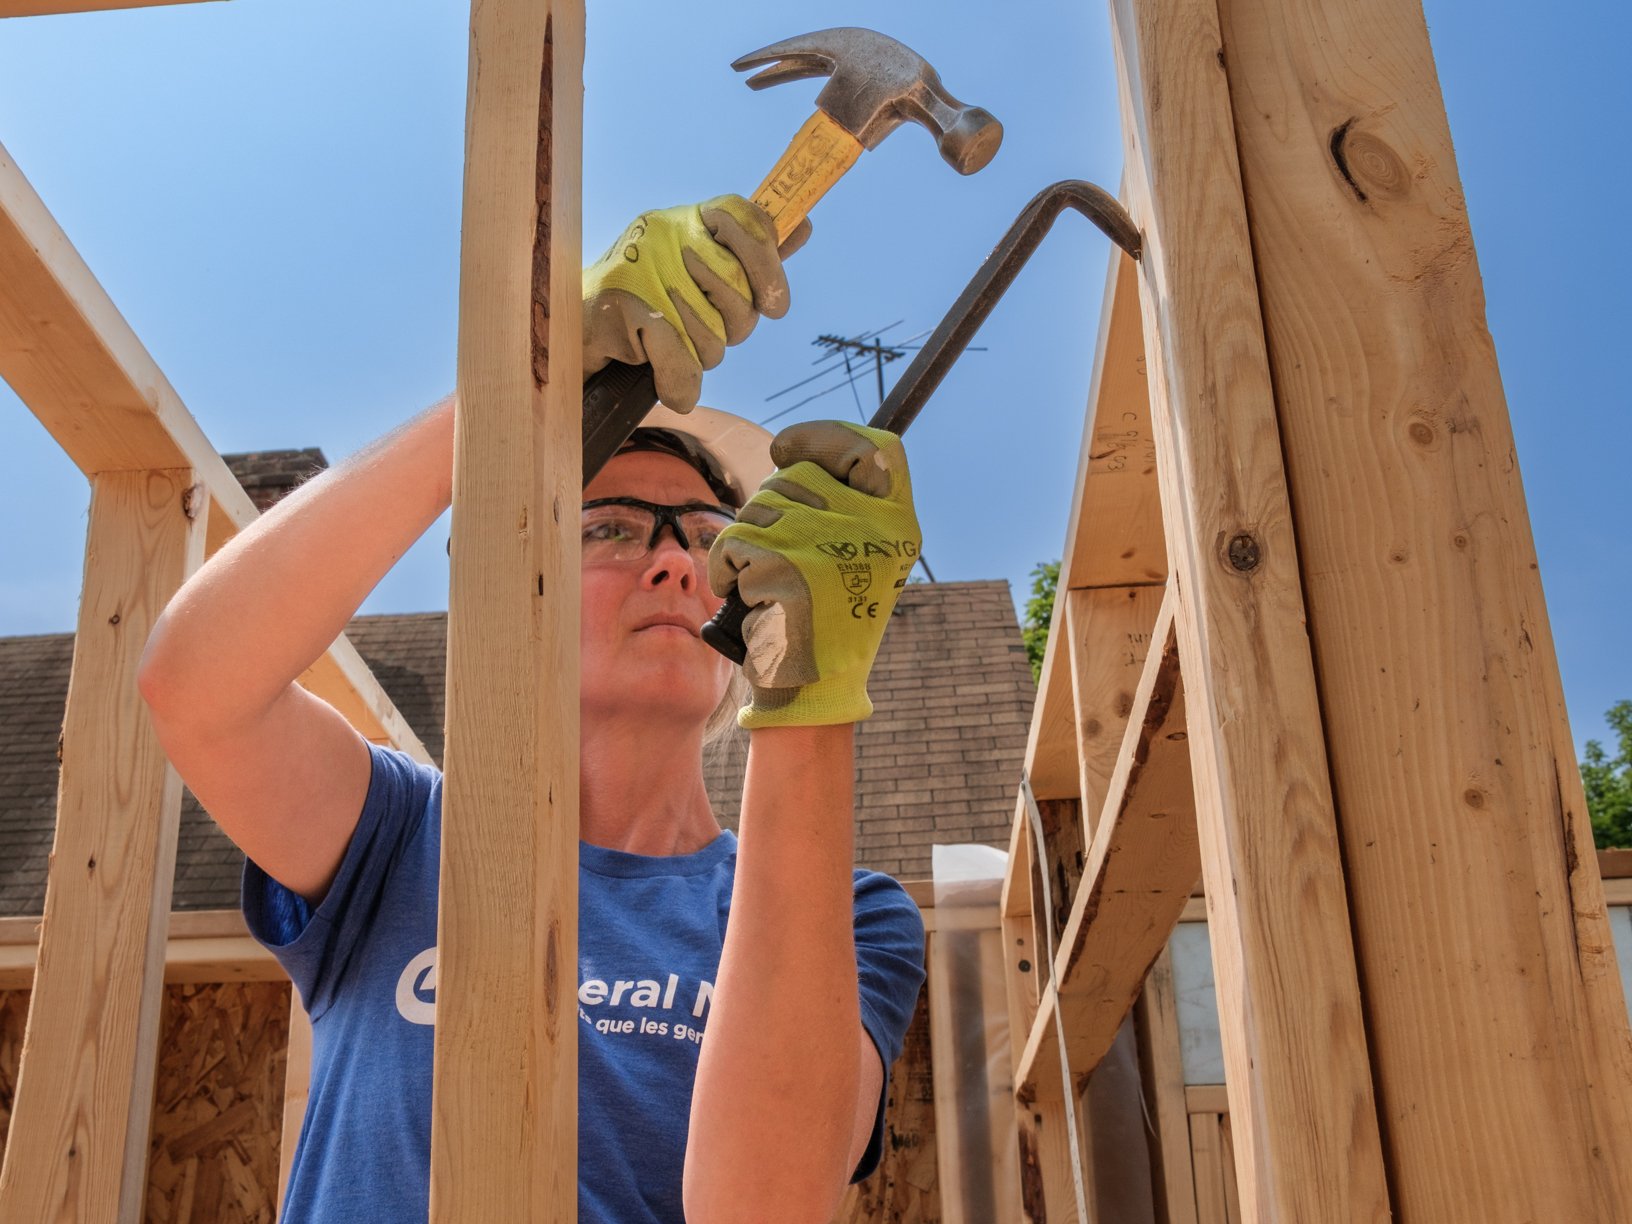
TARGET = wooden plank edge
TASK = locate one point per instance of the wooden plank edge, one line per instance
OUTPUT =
(197, 961)
(54, 8)
(1147, 718)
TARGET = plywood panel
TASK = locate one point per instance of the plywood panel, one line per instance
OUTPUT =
(217, 1101)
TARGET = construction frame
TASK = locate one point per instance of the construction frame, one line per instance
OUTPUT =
(1300, 653)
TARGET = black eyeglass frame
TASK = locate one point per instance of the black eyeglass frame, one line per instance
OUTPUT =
(663, 516)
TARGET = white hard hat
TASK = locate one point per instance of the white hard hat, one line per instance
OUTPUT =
(740, 448)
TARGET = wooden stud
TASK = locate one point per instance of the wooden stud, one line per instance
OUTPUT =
(1047, 1192)
(1615, 864)
(297, 1088)
(1492, 996)
(80, 1125)
(504, 1103)
(1157, 1017)
(1207, 1152)
(1306, 1132)
(1139, 873)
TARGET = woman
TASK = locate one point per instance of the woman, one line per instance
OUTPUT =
(739, 1003)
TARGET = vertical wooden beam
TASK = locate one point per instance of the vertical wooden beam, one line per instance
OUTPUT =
(297, 1086)
(504, 1109)
(79, 1129)
(1498, 1029)
(1299, 1078)
(1157, 1018)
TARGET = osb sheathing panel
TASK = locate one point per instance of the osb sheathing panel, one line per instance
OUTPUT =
(904, 1190)
(218, 1099)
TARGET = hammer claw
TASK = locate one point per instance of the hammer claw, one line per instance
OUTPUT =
(793, 68)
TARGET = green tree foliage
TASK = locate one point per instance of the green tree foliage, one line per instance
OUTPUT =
(1608, 782)
(1039, 612)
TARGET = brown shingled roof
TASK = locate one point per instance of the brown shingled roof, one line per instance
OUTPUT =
(939, 761)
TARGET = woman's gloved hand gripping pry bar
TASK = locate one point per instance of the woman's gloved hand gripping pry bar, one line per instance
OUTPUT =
(726, 631)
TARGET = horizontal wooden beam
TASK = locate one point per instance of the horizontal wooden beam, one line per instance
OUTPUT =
(203, 946)
(1206, 1098)
(41, 8)
(74, 360)
(1142, 864)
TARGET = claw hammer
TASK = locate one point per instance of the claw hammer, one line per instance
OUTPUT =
(877, 85)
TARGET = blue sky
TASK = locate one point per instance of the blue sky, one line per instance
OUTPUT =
(270, 192)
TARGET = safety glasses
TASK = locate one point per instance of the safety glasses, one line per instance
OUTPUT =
(626, 528)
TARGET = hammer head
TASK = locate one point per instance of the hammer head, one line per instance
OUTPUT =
(878, 84)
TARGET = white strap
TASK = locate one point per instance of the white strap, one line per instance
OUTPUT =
(1068, 1088)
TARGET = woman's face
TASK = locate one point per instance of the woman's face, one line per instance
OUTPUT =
(640, 618)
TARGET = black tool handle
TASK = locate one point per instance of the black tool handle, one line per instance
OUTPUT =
(616, 400)
(724, 631)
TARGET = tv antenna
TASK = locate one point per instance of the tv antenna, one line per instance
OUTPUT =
(851, 366)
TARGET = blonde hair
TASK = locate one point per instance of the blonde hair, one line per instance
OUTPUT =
(724, 717)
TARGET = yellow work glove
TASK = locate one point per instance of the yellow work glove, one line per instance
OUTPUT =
(819, 555)
(678, 286)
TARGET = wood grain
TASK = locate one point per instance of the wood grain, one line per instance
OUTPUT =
(203, 946)
(85, 1089)
(1114, 531)
(1207, 1152)
(504, 1098)
(1491, 989)
(1161, 1062)
(214, 1153)
(297, 1088)
(1306, 1131)
(1140, 869)
(1110, 636)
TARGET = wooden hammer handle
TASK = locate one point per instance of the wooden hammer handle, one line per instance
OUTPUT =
(816, 159)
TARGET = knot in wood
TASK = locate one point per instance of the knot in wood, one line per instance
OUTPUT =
(1244, 553)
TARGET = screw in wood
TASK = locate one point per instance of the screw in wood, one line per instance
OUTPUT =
(1244, 553)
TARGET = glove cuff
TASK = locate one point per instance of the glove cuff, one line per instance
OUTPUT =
(831, 702)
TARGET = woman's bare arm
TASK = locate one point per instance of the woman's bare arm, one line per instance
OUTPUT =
(279, 769)
(788, 1081)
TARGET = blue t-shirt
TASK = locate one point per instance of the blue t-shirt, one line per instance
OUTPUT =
(650, 935)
